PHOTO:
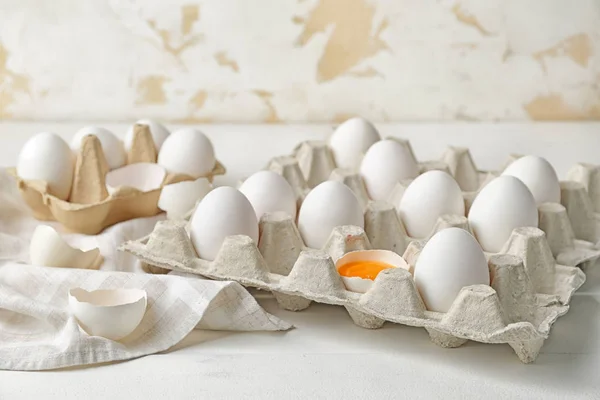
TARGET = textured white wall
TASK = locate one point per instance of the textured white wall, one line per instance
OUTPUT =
(300, 60)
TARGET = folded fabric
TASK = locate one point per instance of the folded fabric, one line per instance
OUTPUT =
(37, 331)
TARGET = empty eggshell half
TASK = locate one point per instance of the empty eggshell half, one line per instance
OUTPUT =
(178, 199)
(112, 314)
(48, 248)
(144, 177)
(362, 285)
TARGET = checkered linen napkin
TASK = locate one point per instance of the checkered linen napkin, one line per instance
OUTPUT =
(37, 331)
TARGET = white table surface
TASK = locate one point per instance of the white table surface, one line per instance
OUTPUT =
(327, 356)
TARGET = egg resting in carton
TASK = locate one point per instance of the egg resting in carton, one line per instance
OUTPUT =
(90, 208)
(528, 292)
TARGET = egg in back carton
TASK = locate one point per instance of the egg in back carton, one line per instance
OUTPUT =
(90, 207)
(528, 290)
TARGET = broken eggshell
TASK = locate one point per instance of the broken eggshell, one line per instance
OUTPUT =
(362, 285)
(112, 314)
(178, 199)
(144, 177)
(48, 248)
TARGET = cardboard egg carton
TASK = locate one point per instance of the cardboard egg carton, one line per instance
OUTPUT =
(528, 290)
(532, 278)
(572, 227)
(90, 208)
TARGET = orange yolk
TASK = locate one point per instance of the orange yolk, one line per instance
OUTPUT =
(363, 269)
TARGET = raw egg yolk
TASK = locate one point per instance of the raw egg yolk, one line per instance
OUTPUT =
(363, 269)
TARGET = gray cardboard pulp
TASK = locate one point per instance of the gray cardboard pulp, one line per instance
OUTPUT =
(532, 278)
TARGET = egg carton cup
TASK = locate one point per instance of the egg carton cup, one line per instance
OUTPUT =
(528, 291)
(581, 196)
(571, 227)
(90, 207)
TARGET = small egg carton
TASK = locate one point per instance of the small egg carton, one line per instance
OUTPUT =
(90, 208)
(572, 227)
(528, 290)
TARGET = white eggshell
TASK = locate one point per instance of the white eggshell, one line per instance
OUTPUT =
(225, 211)
(502, 205)
(351, 140)
(178, 199)
(144, 177)
(113, 314)
(428, 197)
(48, 248)
(384, 165)
(158, 131)
(327, 206)
(112, 147)
(47, 157)
(451, 260)
(269, 192)
(187, 151)
(361, 285)
(539, 176)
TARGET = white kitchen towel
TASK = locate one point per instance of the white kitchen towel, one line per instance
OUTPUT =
(37, 331)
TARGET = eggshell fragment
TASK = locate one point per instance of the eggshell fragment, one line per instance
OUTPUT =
(351, 140)
(47, 157)
(187, 151)
(502, 205)
(113, 148)
(48, 248)
(384, 165)
(141, 176)
(451, 260)
(539, 176)
(158, 131)
(225, 211)
(327, 206)
(113, 314)
(361, 285)
(428, 197)
(269, 192)
(178, 199)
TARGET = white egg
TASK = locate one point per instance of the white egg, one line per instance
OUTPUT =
(225, 211)
(428, 197)
(158, 131)
(47, 157)
(502, 205)
(351, 140)
(539, 176)
(187, 151)
(451, 260)
(112, 147)
(327, 206)
(269, 192)
(385, 164)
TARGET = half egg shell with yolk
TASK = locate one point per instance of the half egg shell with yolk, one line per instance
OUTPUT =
(359, 269)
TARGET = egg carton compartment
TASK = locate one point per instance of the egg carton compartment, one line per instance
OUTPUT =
(528, 290)
(90, 208)
(581, 197)
(572, 227)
